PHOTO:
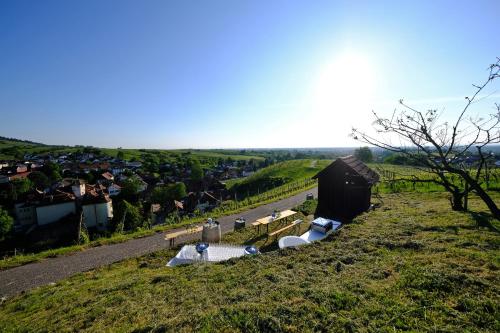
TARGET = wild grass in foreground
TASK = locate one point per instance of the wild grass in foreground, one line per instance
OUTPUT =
(411, 265)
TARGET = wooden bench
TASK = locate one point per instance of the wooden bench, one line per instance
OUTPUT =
(173, 235)
(294, 223)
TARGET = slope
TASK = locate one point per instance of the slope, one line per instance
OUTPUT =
(411, 265)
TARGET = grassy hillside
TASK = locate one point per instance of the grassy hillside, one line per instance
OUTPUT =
(9, 147)
(410, 265)
(276, 175)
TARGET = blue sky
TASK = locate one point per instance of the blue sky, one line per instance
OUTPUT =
(223, 74)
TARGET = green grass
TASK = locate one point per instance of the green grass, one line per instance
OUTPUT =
(397, 178)
(308, 207)
(412, 265)
(276, 175)
(29, 148)
(202, 153)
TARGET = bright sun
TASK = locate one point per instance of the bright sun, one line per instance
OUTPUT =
(346, 84)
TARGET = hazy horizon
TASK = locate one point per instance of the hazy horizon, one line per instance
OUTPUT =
(226, 74)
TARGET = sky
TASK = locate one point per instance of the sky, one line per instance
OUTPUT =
(234, 74)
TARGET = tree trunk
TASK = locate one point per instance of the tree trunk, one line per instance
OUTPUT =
(495, 211)
(456, 200)
(488, 201)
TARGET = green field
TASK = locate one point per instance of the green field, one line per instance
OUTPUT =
(29, 148)
(172, 155)
(397, 178)
(411, 265)
(276, 175)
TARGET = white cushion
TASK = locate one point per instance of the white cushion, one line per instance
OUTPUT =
(289, 241)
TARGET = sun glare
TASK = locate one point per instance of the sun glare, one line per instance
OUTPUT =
(344, 85)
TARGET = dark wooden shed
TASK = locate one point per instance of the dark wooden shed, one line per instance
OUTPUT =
(344, 188)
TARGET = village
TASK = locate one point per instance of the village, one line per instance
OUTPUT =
(54, 196)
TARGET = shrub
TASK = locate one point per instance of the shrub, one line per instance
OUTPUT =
(308, 207)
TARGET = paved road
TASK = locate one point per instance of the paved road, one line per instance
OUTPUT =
(24, 278)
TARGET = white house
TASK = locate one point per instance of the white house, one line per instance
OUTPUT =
(51, 213)
(97, 207)
(78, 188)
(97, 214)
(44, 209)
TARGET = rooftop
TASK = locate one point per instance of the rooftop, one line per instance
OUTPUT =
(354, 164)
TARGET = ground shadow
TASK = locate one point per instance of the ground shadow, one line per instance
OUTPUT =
(255, 239)
(484, 220)
(272, 246)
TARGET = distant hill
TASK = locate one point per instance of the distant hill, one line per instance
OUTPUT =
(3, 138)
(13, 148)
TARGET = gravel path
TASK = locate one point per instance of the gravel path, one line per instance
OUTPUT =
(24, 278)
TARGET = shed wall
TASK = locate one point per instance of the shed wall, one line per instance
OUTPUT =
(342, 194)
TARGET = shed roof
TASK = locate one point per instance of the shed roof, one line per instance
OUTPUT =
(354, 164)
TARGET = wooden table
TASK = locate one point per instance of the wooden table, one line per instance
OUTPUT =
(268, 219)
(173, 235)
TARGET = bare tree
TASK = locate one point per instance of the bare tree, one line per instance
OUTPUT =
(442, 148)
